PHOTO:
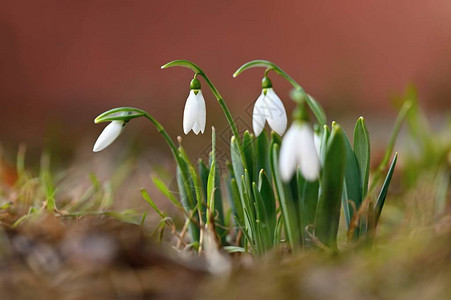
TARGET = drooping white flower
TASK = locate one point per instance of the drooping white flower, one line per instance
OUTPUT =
(269, 107)
(298, 150)
(108, 135)
(194, 116)
(317, 142)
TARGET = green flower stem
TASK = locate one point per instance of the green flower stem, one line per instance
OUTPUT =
(198, 71)
(314, 106)
(165, 135)
(127, 113)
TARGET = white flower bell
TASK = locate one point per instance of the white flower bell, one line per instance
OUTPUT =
(108, 135)
(298, 149)
(269, 108)
(194, 116)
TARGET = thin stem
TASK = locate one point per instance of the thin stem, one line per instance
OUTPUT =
(165, 135)
(223, 105)
(314, 106)
(198, 71)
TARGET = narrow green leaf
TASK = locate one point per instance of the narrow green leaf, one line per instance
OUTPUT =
(204, 171)
(237, 164)
(309, 200)
(249, 213)
(383, 194)
(249, 154)
(146, 197)
(352, 180)
(328, 212)
(236, 202)
(212, 175)
(362, 152)
(285, 200)
(262, 154)
(211, 187)
(269, 201)
(164, 189)
(187, 197)
(262, 221)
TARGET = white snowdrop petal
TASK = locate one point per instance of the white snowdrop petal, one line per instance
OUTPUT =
(277, 116)
(317, 142)
(202, 112)
(309, 159)
(288, 157)
(108, 135)
(196, 128)
(258, 115)
(190, 112)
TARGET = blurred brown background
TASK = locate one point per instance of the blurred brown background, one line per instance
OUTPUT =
(64, 62)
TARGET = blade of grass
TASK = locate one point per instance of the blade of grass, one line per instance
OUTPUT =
(383, 193)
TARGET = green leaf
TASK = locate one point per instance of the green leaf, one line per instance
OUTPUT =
(203, 174)
(285, 201)
(309, 200)
(186, 196)
(146, 197)
(249, 212)
(237, 164)
(269, 201)
(352, 180)
(328, 212)
(211, 187)
(165, 190)
(248, 149)
(262, 154)
(264, 230)
(236, 202)
(212, 175)
(362, 152)
(383, 194)
(204, 171)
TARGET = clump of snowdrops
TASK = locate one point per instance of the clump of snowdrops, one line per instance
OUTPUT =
(286, 188)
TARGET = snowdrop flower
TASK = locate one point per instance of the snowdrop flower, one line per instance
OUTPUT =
(108, 135)
(194, 116)
(317, 142)
(269, 107)
(298, 150)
